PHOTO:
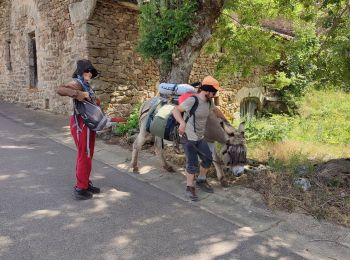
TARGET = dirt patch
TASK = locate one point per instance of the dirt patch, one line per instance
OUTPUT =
(324, 200)
(174, 156)
(328, 198)
(123, 141)
(335, 172)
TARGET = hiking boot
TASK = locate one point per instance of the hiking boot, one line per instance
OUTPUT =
(204, 186)
(82, 194)
(191, 193)
(93, 189)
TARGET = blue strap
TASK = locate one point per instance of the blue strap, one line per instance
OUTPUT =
(86, 87)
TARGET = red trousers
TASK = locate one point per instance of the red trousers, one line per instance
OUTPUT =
(83, 161)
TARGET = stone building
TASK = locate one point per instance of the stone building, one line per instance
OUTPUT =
(41, 40)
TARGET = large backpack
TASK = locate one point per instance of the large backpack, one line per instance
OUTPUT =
(91, 114)
(164, 125)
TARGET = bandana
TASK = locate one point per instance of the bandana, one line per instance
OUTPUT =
(209, 88)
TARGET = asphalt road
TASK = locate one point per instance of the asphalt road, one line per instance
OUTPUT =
(39, 219)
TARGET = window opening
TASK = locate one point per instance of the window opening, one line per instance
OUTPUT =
(33, 68)
(8, 55)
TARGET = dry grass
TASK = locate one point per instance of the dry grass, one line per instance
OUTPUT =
(283, 150)
(321, 202)
(276, 187)
(121, 141)
(175, 157)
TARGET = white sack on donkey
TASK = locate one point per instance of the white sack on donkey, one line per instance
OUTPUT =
(168, 89)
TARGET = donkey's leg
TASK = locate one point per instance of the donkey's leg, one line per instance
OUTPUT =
(219, 171)
(137, 145)
(159, 151)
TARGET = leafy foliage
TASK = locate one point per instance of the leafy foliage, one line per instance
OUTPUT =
(244, 47)
(318, 54)
(131, 123)
(324, 117)
(164, 25)
(275, 128)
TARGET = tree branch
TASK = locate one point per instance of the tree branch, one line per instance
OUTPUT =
(335, 23)
(263, 28)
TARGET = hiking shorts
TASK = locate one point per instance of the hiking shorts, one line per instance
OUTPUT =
(193, 150)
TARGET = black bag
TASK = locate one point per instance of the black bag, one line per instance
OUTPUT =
(91, 114)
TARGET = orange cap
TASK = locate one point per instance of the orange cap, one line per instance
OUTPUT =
(209, 80)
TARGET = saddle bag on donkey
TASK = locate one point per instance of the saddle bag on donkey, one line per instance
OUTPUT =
(163, 124)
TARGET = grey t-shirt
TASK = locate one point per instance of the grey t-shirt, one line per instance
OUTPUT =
(201, 115)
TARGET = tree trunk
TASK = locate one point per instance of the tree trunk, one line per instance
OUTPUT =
(183, 59)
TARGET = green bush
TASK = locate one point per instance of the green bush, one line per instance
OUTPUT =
(131, 123)
(297, 162)
(275, 128)
(323, 117)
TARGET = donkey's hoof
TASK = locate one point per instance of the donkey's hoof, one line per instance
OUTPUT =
(135, 169)
(224, 182)
(169, 168)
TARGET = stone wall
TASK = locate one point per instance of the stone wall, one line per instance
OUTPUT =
(227, 99)
(101, 30)
(58, 45)
(125, 78)
(5, 64)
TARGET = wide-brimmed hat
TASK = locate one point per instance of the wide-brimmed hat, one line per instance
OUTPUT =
(84, 66)
(209, 80)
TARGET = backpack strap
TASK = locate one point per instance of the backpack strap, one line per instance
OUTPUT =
(174, 89)
(151, 113)
(192, 112)
(76, 121)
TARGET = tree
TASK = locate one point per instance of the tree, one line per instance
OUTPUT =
(174, 31)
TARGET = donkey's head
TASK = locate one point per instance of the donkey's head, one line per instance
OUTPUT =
(234, 151)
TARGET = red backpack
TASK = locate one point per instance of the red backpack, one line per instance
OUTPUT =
(183, 97)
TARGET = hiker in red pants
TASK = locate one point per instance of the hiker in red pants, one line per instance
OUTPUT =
(79, 89)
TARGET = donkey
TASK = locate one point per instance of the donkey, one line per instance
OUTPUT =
(232, 154)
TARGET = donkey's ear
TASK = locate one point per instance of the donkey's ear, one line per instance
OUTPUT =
(227, 128)
(241, 127)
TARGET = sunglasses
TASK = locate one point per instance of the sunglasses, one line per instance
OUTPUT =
(213, 92)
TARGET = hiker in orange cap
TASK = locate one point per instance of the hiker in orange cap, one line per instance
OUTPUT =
(192, 127)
